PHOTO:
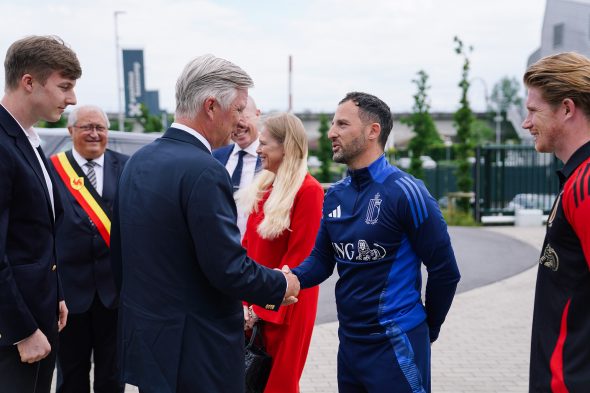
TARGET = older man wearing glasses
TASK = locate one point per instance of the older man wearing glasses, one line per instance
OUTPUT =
(89, 175)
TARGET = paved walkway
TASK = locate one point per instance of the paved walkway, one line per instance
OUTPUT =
(483, 345)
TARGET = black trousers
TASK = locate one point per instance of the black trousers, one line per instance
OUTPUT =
(89, 336)
(19, 377)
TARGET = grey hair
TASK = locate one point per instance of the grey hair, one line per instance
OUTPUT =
(73, 116)
(208, 76)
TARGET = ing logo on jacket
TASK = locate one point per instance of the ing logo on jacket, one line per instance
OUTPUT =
(363, 252)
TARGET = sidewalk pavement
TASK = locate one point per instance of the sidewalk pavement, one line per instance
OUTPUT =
(484, 344)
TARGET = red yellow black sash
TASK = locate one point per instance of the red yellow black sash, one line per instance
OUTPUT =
(75, 180)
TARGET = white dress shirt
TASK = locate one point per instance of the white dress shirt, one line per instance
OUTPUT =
(36, 142)
(249, 163)
(98, 168)
(248, 172)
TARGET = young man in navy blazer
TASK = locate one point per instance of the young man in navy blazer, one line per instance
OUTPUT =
(40, 75)
(177, 247)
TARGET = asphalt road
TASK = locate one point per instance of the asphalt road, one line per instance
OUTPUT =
(483, 257)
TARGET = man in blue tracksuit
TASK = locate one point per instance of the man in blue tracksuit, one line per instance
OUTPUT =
(379, 224)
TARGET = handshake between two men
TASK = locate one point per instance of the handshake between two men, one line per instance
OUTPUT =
(293, 288)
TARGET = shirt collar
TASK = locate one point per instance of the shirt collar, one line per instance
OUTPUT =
(365, 175)
(33, 137)
(81, 160)
(250, 149)
(193, 133)
(575, 161)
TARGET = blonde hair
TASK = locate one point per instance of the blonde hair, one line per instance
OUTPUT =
(288, 130)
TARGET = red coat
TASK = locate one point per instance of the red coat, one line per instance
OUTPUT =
(287, 332)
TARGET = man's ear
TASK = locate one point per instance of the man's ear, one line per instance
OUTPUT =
(374, 131)
(569, 107)
(209, 106)
(26, 82)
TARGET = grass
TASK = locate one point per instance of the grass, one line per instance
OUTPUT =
(455, 217)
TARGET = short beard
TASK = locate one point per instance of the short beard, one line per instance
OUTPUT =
(347, 154)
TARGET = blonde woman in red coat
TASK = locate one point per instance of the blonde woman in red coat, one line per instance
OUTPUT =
(285, 205)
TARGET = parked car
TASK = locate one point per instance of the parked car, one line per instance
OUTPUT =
(531, 201)
(55, 140)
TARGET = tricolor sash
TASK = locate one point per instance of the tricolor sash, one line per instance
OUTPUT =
(75, 181)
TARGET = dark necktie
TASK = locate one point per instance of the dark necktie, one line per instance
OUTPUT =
(91, 175)
(237, 175)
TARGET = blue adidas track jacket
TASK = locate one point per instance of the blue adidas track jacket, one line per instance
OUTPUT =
(379, 224)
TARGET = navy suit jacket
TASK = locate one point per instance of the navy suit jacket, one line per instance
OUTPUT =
(29, 284)
(222, 155)
(176, 244)
(84, 257)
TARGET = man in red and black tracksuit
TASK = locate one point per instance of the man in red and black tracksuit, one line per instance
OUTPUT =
(558, 118)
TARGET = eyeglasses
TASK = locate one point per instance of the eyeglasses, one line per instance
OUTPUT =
(91, 127)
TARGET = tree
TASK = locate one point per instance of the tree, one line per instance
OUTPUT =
(481, 133)
(505, 93)
(426, 134)
(150, 123)
(61, 123)
(463, 120)
(324, 151)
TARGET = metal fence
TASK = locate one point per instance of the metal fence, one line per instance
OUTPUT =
(505, 178)
(512, 177)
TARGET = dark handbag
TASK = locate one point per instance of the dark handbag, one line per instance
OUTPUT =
(258, 363)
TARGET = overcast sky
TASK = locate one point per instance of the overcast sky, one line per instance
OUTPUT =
(376, 46)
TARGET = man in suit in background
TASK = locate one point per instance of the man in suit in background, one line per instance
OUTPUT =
(40, 75)
(88, 176)
(240, 158)
(177, 246)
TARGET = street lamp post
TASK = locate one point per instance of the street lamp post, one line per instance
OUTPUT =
(498, 117)
(119, 85)
(498, 120)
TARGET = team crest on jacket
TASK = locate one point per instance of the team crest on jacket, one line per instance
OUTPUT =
(549, 258)
(77, 183)
(373, 210)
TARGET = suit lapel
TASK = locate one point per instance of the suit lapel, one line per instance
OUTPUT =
(22, 143)
(57, 205)
(227, 153)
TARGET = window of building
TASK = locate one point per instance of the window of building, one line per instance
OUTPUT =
(558, 35)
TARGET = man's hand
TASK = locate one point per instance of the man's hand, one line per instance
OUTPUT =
(34, 348)
(293, 287)
(63, 316)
